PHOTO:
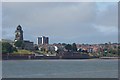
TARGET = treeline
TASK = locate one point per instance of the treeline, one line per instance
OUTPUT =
(7, 48)
(11, 47)
(71, 47)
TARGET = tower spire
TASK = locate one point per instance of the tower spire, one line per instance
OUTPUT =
(18, 33)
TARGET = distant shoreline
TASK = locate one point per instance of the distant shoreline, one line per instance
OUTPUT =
(109, 57)
(59, 57)
(105, 58)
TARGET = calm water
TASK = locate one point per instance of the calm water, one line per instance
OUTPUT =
(93, 68)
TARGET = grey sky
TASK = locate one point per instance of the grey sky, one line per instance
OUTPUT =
(80, 22)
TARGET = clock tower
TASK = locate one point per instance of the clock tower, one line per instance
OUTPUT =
(19, 33)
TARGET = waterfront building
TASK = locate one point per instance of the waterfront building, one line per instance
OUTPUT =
(42, 40)
(19, 37)
(28, 45)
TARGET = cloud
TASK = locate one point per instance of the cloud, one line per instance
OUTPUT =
(61, 21)
(107, 31)
(109, 16)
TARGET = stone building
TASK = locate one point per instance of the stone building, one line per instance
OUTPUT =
(19, 33)
(19, 37)
(28, 45)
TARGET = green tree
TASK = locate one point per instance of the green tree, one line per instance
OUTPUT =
(43, 49)
(14, 49)
(68, 47)
(7, 48)
(64, 44)
(19, 44)
(74, 47)
(36, 48)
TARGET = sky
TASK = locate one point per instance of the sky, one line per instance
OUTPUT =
(62, 22)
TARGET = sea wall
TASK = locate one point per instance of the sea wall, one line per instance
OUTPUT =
(32, 57)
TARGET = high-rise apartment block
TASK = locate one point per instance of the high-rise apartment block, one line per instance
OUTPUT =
(42, 40)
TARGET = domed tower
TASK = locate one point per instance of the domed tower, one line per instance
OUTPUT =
(18, 33)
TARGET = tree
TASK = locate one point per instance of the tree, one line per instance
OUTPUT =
(14, 49)
(36, 48)
(64, 44)
(74, 47)
(68, 47)
(19, 44)
(7, 48)
(43, 49)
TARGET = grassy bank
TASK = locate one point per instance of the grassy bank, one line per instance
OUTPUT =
(22, 52)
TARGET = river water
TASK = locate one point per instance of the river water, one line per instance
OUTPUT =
(84, 68)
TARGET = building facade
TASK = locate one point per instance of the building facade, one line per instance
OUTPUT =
(19, 37)
(19, 33)
(42, 40)
(39, 40)
(28, 45)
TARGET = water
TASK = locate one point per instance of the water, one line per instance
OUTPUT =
(92, 68)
